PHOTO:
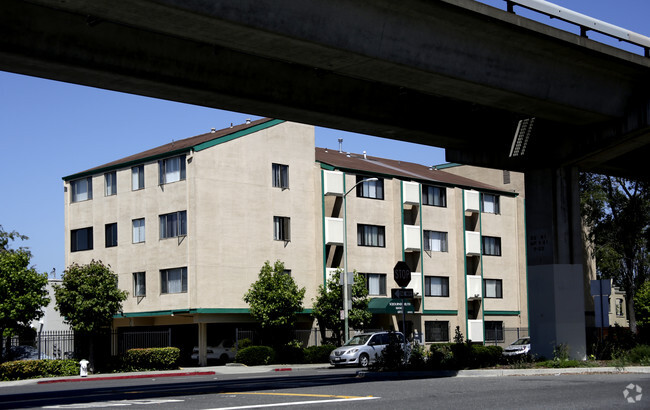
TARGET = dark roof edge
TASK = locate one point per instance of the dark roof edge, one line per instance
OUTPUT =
(197, 147)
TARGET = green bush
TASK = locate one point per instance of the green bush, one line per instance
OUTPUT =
(441, 356)
(255, 355)
(155, 358)
(486, 356)
(29, 369)
(246, 342)
(639, 354)
(318, 354)
(291, 352)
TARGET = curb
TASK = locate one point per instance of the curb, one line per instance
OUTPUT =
(123, 376)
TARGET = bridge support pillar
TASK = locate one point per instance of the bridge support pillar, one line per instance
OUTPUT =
(555, 283)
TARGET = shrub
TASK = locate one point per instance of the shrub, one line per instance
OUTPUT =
(639, 354)
(392, 357)
(418, 357)
(29, 369)
(318, 354)
(255, 355)
(155, 358)
(441, 356)
(291, 352)
(486, 356)
(246, 342)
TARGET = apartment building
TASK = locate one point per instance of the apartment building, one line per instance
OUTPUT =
(188, 225)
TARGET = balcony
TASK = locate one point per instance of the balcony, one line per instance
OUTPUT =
(472, 201)
(411, 193)
(472, 243)
(412, 238)
(333, 183)
(329, 273)
(474, 287)
(334, 231)
(416, 283)
(475, 330)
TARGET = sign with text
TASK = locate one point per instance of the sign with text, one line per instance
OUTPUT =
(401, 293)
(402, 274)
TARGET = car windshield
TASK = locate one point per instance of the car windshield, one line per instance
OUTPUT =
(358, 340)
(523, 341)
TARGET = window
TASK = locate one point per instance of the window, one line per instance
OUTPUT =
(491, 246)
(436, 286)
(493, 331)
(171, 169)
(436, 331)
(138, 230)
(371, 235)
(139, 284)
(110, 180)
(435, 241)
(619, 307)
(110, 231)
(434, 196)
(493, 288)
(490, 203)
(81, 239)
(173, 225)
(281, 228)
(280, 176)
(173, 280)
(82, 189)
(370, 189)
(137, 177)
(375, 283)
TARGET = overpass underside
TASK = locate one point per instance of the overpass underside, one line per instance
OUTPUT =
(455, 74)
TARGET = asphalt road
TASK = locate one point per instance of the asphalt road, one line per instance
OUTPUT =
(338, 388)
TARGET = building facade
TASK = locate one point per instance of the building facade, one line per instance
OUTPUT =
(188, 225)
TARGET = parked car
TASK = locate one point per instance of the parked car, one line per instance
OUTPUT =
(225, 351)
(362, 349)
(519, 348)
(26, 353)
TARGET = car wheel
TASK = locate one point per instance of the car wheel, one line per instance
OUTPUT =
(364, 360)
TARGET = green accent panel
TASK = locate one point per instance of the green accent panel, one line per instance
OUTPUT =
(440, 312)
(501, 313)
(389, 306)
(322, 200)
(221, 310)
(327, 166)
(235, 135)
(447, 165)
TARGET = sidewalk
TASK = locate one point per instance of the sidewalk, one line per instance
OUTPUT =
(242, 369)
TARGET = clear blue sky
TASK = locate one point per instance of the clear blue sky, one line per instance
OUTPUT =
(50, 129)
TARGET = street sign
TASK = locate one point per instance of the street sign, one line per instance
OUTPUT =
(402, 274)
(401, 293)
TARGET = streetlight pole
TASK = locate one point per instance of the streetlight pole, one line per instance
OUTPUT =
(346, 308)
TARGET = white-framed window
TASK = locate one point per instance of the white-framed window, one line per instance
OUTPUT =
(619, 307)
(110, 183)
(171, 169)
(138, 230)
(139, 284)
(493, 288)
(282, 228)
(370, 189)
(81, 239)
(491, 245)
(137, 177)
(437, 286)
(173, 224)
(371, 235)
(490, 203)
(436, 331)
(375, 283)
(435, 241)
(493, 331)
(434, 195)
(110, 234)
(82, 189)
(280, 175)
(173, 280)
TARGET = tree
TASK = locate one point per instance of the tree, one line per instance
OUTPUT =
(642, 305)
(88, 298)
(22, 290)
(275, 300)
(329, 303)
(617, 214)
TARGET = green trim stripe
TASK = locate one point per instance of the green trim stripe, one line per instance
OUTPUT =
(245, 311)
(322, 200)
(439, 312)
(501, 313)
(235, 135)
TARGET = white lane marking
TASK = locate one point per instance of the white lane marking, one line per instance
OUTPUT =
(293, 403)
(120, 403)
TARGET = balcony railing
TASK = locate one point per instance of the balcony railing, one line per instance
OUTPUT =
(474, 287)
(475, 330)
(333, 183)
(411, 193)
(472, 201)
(412, 238)
(334, 231)
(472, 243)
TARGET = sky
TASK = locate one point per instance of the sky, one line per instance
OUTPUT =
(50, 129)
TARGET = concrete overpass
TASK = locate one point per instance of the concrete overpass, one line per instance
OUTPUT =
(450, 73)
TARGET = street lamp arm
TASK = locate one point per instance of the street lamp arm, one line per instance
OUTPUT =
(360, 182)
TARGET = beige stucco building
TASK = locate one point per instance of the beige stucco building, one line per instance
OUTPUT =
(188, 225)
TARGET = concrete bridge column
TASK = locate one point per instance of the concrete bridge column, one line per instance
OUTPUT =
(555, 284)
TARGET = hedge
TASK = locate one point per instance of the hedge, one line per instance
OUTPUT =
(255, 355)
(155, 358)
(318, 354)
(30, 369)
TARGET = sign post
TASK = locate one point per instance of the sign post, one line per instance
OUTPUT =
(402, 276)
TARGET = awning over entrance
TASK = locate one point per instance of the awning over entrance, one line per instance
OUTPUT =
(389, 306)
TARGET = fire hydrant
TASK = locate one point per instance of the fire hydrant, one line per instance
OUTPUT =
(83, 369)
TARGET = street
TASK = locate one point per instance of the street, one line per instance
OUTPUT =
(337, 388)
